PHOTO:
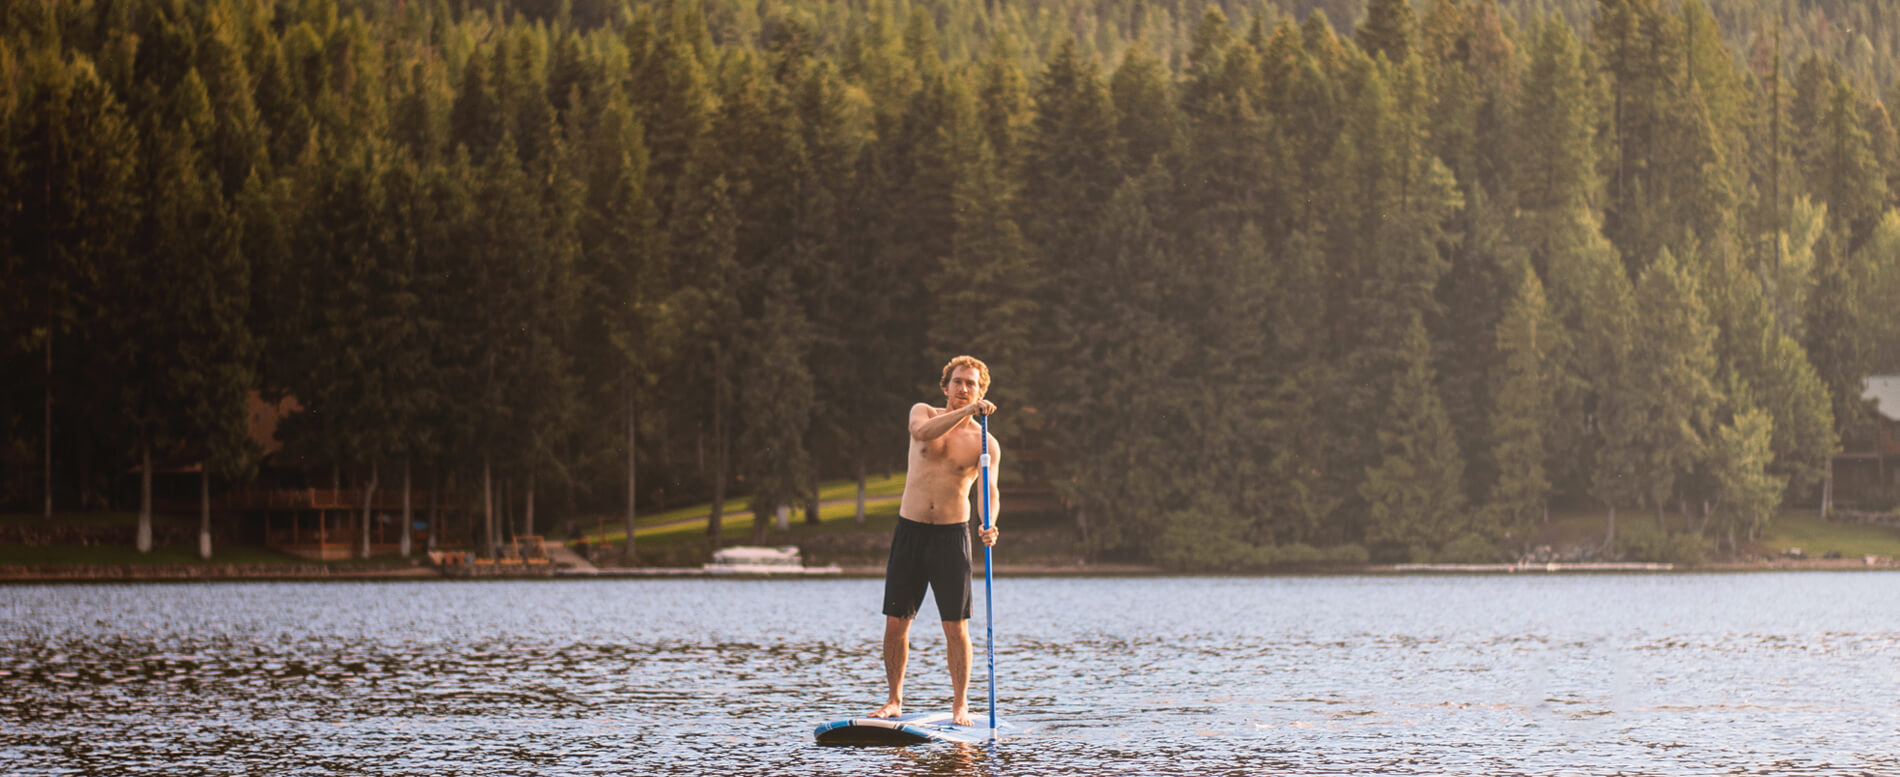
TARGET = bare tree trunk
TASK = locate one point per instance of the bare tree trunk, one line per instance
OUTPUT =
(369, 492)
(812, 502)
(860, 517)
(626, 551)
(488, 507)
(527, 511)
(713, 521)
(1827, 490)
(204, 511)
(435, 507)
(145, 494)
(408, 520)
(47, 438)
(1609, 539)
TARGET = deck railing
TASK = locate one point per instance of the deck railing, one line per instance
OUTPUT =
(385, 499)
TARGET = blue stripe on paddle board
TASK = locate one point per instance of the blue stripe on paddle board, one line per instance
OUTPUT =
(914, 728)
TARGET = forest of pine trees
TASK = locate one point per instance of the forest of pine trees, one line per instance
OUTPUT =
(1269, 280)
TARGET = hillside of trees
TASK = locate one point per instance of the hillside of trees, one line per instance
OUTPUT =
(1263, 278)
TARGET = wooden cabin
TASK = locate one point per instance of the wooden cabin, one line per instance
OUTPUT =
(295, 505)
(1867, 470)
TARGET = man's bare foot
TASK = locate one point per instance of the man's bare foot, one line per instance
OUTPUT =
(961, 717)
(891, 709)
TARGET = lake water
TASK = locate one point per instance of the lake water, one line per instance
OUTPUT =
(1766, 673)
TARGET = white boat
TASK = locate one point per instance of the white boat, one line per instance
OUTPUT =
(752, 560)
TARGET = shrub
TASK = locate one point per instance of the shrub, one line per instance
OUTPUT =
(1469, 548)
(1642, 540)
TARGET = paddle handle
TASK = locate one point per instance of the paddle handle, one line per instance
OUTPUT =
(989, 580)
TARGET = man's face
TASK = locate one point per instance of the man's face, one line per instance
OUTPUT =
(963, 387)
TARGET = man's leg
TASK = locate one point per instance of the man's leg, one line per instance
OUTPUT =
(957, 635)
(896, 654)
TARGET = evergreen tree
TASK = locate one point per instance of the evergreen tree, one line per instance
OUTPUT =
(1556, 166)
(702, 240)
(504, 281)
(1745, 493)
(628, 288)
(1836, 342)
(1521, 411)
(775, 400)
(1473, 299)
(1842, 169)
(1069, 156)
(1414, 493)
(985, 292)
(1003, 105)
(1667, 388)
(1146, 123)
(1388, 29)
(181, 326)
(71, 202)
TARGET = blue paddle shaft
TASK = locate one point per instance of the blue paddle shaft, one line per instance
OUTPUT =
(989, 580)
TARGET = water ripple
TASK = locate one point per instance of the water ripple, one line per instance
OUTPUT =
(1748, 675)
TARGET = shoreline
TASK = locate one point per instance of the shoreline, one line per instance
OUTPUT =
(135, 573)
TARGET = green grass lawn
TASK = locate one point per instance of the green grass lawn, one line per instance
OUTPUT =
(736, 518)
(1805, 530)
(1796, 528)
(874, 488)
(737, 525)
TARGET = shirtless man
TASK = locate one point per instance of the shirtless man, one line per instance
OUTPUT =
(932, 542)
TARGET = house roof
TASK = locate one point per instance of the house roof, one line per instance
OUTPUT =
(1885, 390)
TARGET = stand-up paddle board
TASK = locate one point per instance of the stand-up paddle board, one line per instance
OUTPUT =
(911, 729)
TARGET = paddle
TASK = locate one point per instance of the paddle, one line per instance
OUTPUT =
(989, 602)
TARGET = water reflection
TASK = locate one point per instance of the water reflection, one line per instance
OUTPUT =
(1753, 674)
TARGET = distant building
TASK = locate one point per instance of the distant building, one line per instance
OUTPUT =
(1867, 471)
(294, 504)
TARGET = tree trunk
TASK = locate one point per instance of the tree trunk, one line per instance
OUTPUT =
(627, 551)
(1827, 490)
(760, 518)
(1609, 539)
(435, 507)
(47, 437)
(488, 508)
(713, 521)
(408, 520)
(860, 516)
(1661, 525)
(369, 492)
(204, 511)
(527, 509)
(811, 506)
(145, 494)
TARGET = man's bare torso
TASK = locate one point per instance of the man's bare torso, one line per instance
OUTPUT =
(937, 489)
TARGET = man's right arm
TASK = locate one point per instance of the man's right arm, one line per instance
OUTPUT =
(925, 427)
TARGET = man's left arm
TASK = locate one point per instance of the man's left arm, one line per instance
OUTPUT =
(996, 491)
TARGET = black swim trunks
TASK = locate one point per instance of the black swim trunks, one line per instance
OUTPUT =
(937, 554)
